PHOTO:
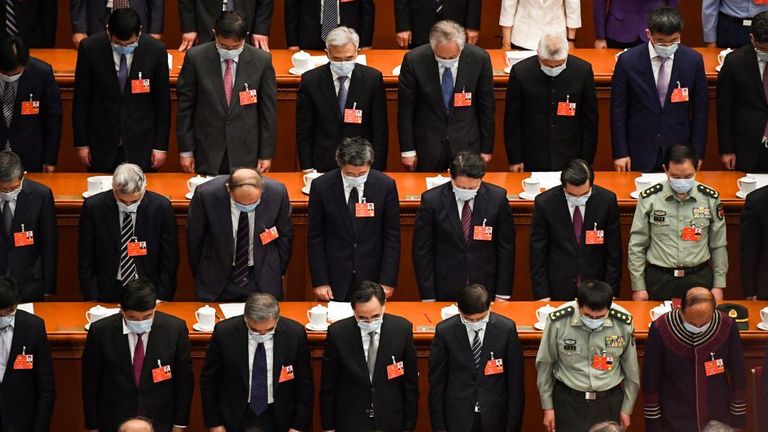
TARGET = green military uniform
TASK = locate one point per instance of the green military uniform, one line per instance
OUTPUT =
(672, 240)
(569, 381)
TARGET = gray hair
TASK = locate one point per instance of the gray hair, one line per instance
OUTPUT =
(716, 426)
(553, 46)
(147, 422)
(129, 179)
(609, 426)
(447, 31)
(261, 307)
(342, 36)
(355, 151)
(10, 167)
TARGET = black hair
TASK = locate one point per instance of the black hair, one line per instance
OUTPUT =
(11, 168)
(468, 164)
(680, 154)
(594, 294)
(355, 151)
(759, 28)
(366, 291)
(665, 21)
(13, 53)
(10, 295)
(692, 299)
(138, 295)
(473, 299)
(231, 25)
(577, 172)
(124, 24)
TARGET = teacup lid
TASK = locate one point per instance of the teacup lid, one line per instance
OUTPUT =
(318, 308)
(207, 308)
(546, 308)
(97, 308)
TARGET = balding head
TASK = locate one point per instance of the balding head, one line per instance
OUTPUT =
(698, 306)
(136, 425)
(245, 186)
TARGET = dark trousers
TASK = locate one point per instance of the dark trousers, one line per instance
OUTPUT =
(235, 293)
(119, 158)
(623, 45)
(574, 413)
(762, 159)
(259, 423)
(662, 285)
(731, 32)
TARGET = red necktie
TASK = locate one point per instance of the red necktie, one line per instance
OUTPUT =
(138, 358)
(466, 219)
(228, 80)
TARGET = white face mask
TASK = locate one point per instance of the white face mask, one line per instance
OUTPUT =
(372, 326)
(666, 51)
(138, 327)
(464, 194)
(128, 208)
(553, 71)
(696, 330)
(12, 195)
(342, 68)
(261, 338)
(355, 182)
(592, 323)
(10, 78)
(476, 325)
(681, 185)
(447, 63)
(578, 201)
(226, 54)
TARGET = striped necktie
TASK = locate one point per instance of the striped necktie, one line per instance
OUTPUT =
(477, 349)
(127, 265)
(242, 248)
(466, 220)
(330, 18)
(119, 4)
(342, 94)
(10, 18)
(662, 83)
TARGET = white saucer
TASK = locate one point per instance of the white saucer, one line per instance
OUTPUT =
(188, 195)
(305, 190)
(197, 327)
(525, 196)
(396, 70)
(718, 67)
(87, 326)
(741, 195)
(507, 70)
(310, 327)
(87, 194)
(635, 194)
(539, 325)
(297, 72)
(761, 325)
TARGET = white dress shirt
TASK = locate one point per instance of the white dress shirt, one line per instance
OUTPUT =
(116, 58)
(460, 205)
(336, 82)
(471, 333)
(572, 207)
(367, 340)
(235, 213)
(7, 335)
(656, 64)
(133, 339)
(348, 190)
(761, 66)
(269, 351)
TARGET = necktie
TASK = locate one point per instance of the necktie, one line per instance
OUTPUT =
(578, 223)
(138, 358)
(765, 90)
(228, 6)
(373, 349)
(122, 73)
(342, 94)
(466, 219)
(7, 225)
(354, 198)
(447, 85)
(662, 83)
(437, 5)
(330, 17)
(10, 18)
(228, 80)
(127, 265)
(258, 403)
(477, 349)
(120, 4)
(242, 247)
(9, 101)
(5, 351)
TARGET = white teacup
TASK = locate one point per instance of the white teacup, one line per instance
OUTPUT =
(301, 61)
(747, 184)
(318, 316)
(196, 181)
(98, 184)
(309, 177)
(206, 317)
(514, 57)
(95, 313)
(658, 311)
(449, 311)
(543, 312)
(531, 186)
(723, 53)
(764, 315)
(642, 183)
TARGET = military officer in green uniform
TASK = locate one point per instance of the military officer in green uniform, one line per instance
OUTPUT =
(586, 353)
(678, 228)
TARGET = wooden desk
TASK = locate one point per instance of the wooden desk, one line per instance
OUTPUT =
(65, 321)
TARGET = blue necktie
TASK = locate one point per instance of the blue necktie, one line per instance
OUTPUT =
(342, 95)
(122, 73)
(447, 86)
(258, 403)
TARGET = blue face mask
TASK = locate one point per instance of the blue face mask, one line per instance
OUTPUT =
(681, 185)
(5, 321)
(372, 326)
(125, 50)
(138, 327)
(553, 71)
(342, 68)
(247, 208)
(592, 323)
(666, 51)
(761, 55)
(578, 201)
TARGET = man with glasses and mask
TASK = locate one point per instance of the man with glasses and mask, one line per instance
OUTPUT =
(340, 100)
(137, 363)
(122, 103)
(239, 236)
(370, 379)
(575, 236)
(274, 350)
(551, 109)
(678, 230)
(587, 362)
(227, 115)
(124, 234)
(476, 378)
(464, 234)
(693, 368)
(659, 97)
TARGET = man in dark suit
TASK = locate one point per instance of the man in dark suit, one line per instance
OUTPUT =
(227, 93)
(754, 238)
(239, 236)
(476, 369)
(137, 362)
(370, 379)
(28, 231)
(574, 236)
(90, 16)
(31, 123)
(464, 234)
(257, 372)
(622, 23)
(354, 225)
(415, 18)
(122, 103)
(441, 114)
(34, 22)
(198, 16)
(742, 110)
(659, 97)
(26, 370)
(124, 234)
(551, 109)
(330, 108)
(308, 22)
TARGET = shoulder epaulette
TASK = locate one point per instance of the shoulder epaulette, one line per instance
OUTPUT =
(708, 191)
(622, 316)
(561, 313)
(652, 190)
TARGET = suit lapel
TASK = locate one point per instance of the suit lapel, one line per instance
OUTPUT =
(754, 77)
(108, 60)
(112, 219)
(356, 84)
(357, 340)
(461, 76)
(241, 74)
(328, 88)
(338, 193)
(123, 349)
(152, 349)
(240, 346)
(223, 205)
(215, 76)
(461, 335)
(433, 75)
(19, 215)
(16, 347)
(385, 339)
(277, 357)
(673, 78)
(136, 67)
(564, 215)
(450, 206)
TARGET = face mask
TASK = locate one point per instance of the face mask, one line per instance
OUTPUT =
(578, 201)
(342, 68)
(10, 196)
(261, 338)
(356, 181)
(695, 330)
(447, 63)
(372, 326)
(128, 208)
(247, 208)
(125, 50)
(475, 325)
(592, 323)
(464, 194)
(681, 185)
(226, 54)
(666, 51)
(553, 71)
(761, 56)
(10, 78)
(138, 327)
(5, 321)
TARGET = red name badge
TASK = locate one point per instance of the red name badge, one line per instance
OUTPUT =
(484, 233)
(761, 2)
(680, 95)
(714, 367)
(602, 362)
(161, 373)
(139, 86)
(23, 238)
(286, 374)
(494, 366)
(364, 210)
(30, 107)
(248, 97)
(566, 109)
(23, 362)
(691, 233)
(594, 237)
(396, 369)
(137, 248)
(346, 1)
(268, 235)
(353, 116)
(462, 99)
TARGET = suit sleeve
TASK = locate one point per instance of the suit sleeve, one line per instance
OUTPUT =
(473, 14)
(700, 114)
(49, 11)
(302, 418)
(316, 231)
(186, 16)
(572, 13)
(186, 92)
(169, 255)
(402, 16)
(539, 252)
(751, 247)
(390, 259)
(486, 105)
(513, 129)
(600, 18)
(329, 378)
(738, 380)
(86, 241)
(197, 227)
(423, 250)
(639, 242)
(49, 243)
(82, 95)
(78, 11)
(305, 125)
(726, 101)
(285, 231)
(211, 379)
(91, 379)
(262, 19)
(267, 112)
(407, 100)
(162, 101)
(52, 118)
(183, 378)
(379, 127)
(367, 17)
(619, 106)
(505, 248)
(589, 113)
(410, 382)
(653, 364)
(292, 16)
(438, 377)
(515, 382)
(613, 252)
(156, 17)
(44, 382)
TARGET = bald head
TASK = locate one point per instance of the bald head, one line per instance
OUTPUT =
(698, 306)
(136, 425)
(245, 186)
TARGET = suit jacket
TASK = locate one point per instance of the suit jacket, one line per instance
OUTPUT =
(530, 19)
(742, 110)
(418, 16)
(99, 245)
(346, 391)
(211, 241)
(89, 16)
(34, 266)
(320, 126)
(455, 386)
(444, 262)
(110, 394)
(556, 258)
(754, 237)
(533, 132)
(640, 127)
(27, 395)
(344, 250)
(35, 138)
(210, 129)
(302, 22)
(103, 114)
(224, 382)
(200, 15)
(35, 22)
(423, 123)
(625, 20)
